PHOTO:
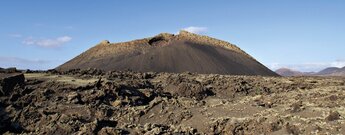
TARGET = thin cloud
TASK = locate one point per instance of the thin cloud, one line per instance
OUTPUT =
(196, 30)
(338, 63)
(22, 63)
(20, 60)
(16, 35)
(68, 27)
(47, 43)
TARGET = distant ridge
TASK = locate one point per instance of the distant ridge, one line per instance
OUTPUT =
(170, 53)
(331, 71)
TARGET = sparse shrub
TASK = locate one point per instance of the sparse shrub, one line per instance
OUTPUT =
(296, 107)
(257, 91)
(292, 129)
(333, 97)
(333, 116)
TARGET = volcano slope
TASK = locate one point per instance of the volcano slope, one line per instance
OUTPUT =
(170, 53)
(125, 102)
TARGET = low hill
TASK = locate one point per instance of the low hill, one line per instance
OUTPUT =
(332, 71)
(185, 52)
(288, 72)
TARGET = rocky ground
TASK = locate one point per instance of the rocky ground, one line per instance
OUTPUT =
(96, 102)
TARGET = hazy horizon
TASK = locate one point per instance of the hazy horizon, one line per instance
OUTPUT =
(302, 35)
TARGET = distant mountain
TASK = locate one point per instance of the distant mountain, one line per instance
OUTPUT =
(331, 71)
(288, 72)
(170, 53)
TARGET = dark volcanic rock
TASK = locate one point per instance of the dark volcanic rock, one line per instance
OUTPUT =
(9, 81)
(126, 102)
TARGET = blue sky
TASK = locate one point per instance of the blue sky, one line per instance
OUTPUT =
(306, 35)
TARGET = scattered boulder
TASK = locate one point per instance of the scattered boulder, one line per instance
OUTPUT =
(73, 97)
(9, 81)
(160, 39)
(105, 42)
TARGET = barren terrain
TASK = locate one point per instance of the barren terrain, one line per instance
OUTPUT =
(95, 102)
